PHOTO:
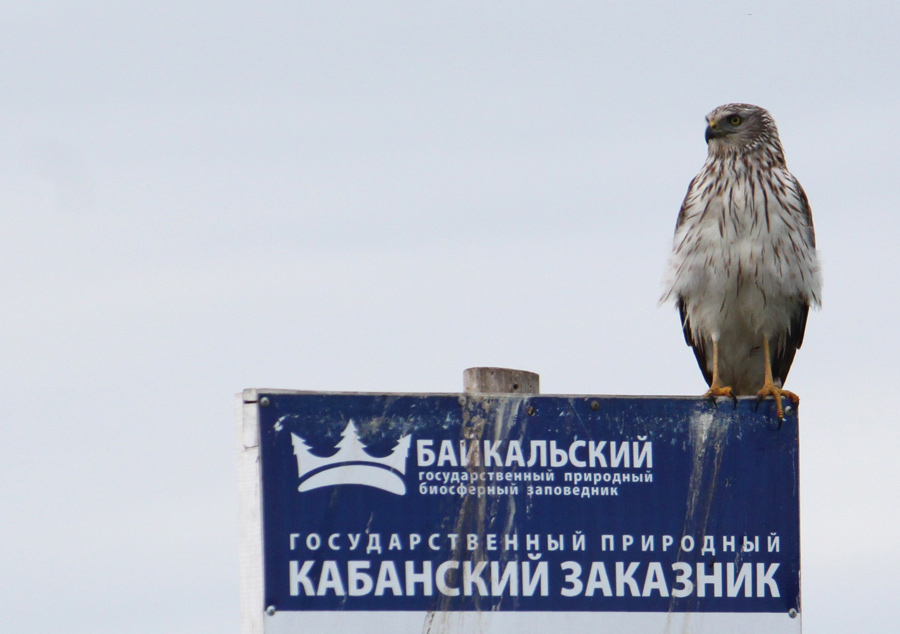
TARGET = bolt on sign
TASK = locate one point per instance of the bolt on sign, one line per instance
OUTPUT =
(393, 513)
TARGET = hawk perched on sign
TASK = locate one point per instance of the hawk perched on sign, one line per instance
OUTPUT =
(743, 269)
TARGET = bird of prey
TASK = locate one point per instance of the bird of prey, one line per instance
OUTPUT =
(743, 269)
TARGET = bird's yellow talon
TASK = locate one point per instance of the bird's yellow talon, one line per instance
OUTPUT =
(714, 392)
(770, 389)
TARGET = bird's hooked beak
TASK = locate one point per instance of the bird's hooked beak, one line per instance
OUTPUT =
(713, 131)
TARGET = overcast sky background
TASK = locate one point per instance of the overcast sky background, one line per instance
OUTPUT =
(200, 197)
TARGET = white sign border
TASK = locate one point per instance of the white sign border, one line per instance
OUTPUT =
(353, 622)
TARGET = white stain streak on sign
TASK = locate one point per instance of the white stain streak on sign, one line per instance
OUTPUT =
(464, 513)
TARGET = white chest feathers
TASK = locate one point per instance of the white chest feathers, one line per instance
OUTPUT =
(744, 251)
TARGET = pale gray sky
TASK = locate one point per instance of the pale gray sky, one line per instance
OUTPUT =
(199, 197)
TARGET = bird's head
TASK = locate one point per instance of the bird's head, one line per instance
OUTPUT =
(737, 128)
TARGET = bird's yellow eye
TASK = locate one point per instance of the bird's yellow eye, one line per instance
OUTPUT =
(735, 120)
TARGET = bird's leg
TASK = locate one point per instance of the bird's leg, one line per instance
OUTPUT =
(769, 388)
(716, 388)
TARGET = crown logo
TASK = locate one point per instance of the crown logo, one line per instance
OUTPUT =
(352, 464)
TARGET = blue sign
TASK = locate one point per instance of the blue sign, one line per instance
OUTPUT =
(528, 504)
